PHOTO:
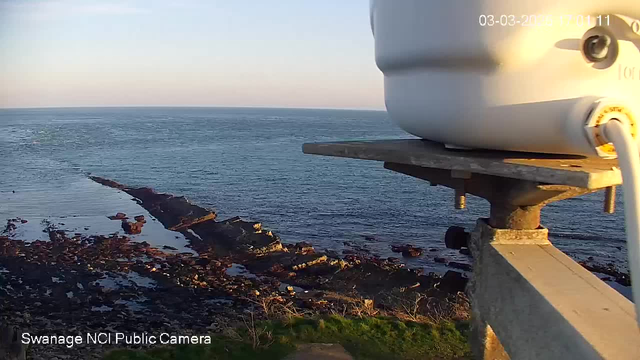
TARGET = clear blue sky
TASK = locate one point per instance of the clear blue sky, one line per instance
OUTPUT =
(281, 53)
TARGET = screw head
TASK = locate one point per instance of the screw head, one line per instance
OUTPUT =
(596, 48)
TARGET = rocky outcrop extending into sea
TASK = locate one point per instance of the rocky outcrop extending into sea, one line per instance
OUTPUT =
(76, 284)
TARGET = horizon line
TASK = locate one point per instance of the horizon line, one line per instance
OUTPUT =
(185, 106)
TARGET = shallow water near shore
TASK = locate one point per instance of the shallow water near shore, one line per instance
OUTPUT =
(249, 163)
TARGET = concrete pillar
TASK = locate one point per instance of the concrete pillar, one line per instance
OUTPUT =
(532, 302)
(484, 342)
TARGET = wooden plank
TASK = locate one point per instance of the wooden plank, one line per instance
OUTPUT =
(589, 173)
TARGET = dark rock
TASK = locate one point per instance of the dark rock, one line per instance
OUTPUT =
(118, 216)
(174, 212)
(304, 247)
(140, 218)
(465, 251)
(107, 182)
(10, 227)
(407, 250)
(332, 253)
(452, 282)
(167, 247)
(24, 221)
(132, 228)
(433, 249)
(440, 260)
(461, 266)
(276, 269)
(610, 269)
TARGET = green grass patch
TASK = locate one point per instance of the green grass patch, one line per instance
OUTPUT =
(365, 338)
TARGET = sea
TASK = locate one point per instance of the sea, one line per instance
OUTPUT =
(248, 162)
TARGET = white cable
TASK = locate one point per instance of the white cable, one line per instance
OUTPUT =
(619, 134)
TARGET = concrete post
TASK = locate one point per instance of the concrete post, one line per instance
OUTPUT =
(484, 342)
(530, 301)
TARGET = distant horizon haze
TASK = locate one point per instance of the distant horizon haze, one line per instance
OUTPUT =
(124, 53)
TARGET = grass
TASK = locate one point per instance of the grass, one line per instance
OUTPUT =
(365, 338)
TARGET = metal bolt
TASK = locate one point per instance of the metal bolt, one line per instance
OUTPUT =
(610, 200)
(460, 195)
(596, 48)
(460, 198)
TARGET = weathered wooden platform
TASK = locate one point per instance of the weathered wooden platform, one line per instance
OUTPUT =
(552, 169)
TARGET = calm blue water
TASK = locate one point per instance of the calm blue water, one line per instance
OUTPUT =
(249, 162)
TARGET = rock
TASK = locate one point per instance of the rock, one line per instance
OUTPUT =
(107, 182)
(304, 248)
(465, 251)
(369, 238)
(140, 218)
(10, 227)
(132, 228)
(461, 266)
(174, 212)
(433, 249)
(610, 269)
(167, 247)
(452, 282)
(119, 216)
(24, 221)
(407, 250)
(308, 261)
(412, 252)
(440, 260)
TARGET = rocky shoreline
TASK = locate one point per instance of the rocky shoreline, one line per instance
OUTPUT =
(74, 284)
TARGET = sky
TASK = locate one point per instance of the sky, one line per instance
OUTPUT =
(280, 53)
